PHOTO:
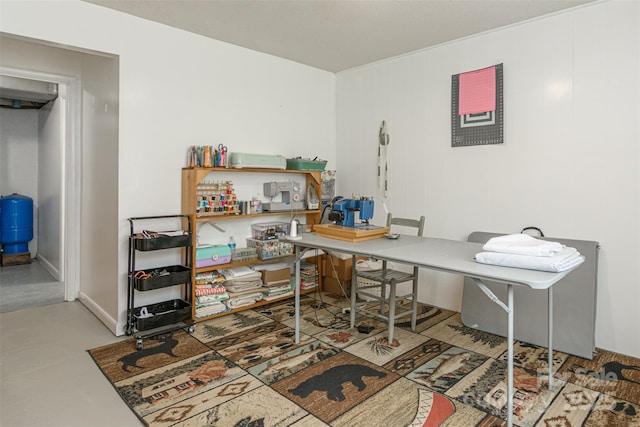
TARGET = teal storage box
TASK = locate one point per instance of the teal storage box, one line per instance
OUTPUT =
(259, 161)
(306, 164)
(212, 255)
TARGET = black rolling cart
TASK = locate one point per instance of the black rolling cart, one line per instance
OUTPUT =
(157, 318)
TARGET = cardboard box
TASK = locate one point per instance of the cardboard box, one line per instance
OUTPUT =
(272, 276)
(331, 285)
(342, 267)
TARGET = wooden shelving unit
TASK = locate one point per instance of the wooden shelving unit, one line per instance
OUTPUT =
(194, 176)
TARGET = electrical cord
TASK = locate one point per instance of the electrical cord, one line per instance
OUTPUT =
(323, 219)
(337, 318)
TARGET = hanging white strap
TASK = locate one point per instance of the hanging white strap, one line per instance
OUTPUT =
(383, 164)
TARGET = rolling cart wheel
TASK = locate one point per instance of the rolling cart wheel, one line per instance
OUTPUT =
(192, 329)
(139, 344)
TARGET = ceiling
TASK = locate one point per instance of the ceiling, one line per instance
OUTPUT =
(337, 35)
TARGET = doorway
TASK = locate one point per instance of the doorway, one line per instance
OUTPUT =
(33, 163)
(88, 161)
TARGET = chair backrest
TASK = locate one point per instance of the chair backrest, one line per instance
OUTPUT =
(406, 222)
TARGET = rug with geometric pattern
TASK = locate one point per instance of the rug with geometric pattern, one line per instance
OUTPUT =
(245, 369)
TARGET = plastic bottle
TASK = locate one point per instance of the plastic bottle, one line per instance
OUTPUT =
(232, 242)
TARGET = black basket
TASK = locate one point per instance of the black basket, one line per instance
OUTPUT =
(164, 313)
(162, 242)
(161, 277)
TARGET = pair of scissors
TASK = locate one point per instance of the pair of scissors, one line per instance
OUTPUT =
(222, 152)
(142, 275)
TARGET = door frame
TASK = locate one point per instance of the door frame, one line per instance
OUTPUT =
(71, 167)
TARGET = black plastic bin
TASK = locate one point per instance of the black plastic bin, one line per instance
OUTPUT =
(161, 277)
(161, 242)
(164, 313)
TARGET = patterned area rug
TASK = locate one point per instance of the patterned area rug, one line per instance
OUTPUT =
(246, 370)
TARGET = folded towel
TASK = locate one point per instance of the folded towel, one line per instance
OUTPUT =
(211, 310)
(239, 272)
(564, 260)
(244, 300)
(232, 286)
(205, 299)
(522, 244)
(209, 277)
(272, 297)
(218, 287)
(202, 291)
(278, 286)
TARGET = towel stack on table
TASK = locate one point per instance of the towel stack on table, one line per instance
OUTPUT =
(524, 251)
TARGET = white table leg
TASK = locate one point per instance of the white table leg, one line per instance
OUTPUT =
(392, 308)
(354, 296)
(510, 358)
(297, 294)
(550, 350)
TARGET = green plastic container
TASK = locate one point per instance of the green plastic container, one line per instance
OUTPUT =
(306, 164)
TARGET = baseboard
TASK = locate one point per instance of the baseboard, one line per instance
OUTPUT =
(102, 315)
(49, 267)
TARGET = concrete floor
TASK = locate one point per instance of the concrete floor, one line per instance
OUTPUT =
(47, 378)
(28, 285)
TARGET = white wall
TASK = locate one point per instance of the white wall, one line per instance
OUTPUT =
(569, 163)
(18, 150)
(179, 89)
(89, 262)
(49, 167)
(100, 241)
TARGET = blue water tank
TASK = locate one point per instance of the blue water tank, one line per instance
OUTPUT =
(16, 223)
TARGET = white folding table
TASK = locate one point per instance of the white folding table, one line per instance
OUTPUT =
(449, 256)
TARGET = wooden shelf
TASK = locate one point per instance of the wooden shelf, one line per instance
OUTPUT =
(258, 304)
(237, 264)
(192, 177)
(223, 217)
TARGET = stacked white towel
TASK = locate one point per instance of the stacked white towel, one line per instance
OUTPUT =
(524, 251)
(241, 279)
(522, 244)
(245, 299)
(233, 286)
(240, 273)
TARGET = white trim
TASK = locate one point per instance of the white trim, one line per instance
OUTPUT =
(73, 190)
(49, 267)
(102, 315)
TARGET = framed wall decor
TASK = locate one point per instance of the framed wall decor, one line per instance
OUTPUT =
(477, 108)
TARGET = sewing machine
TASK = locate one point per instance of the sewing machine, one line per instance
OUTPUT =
(292, 196)
(343, 211)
